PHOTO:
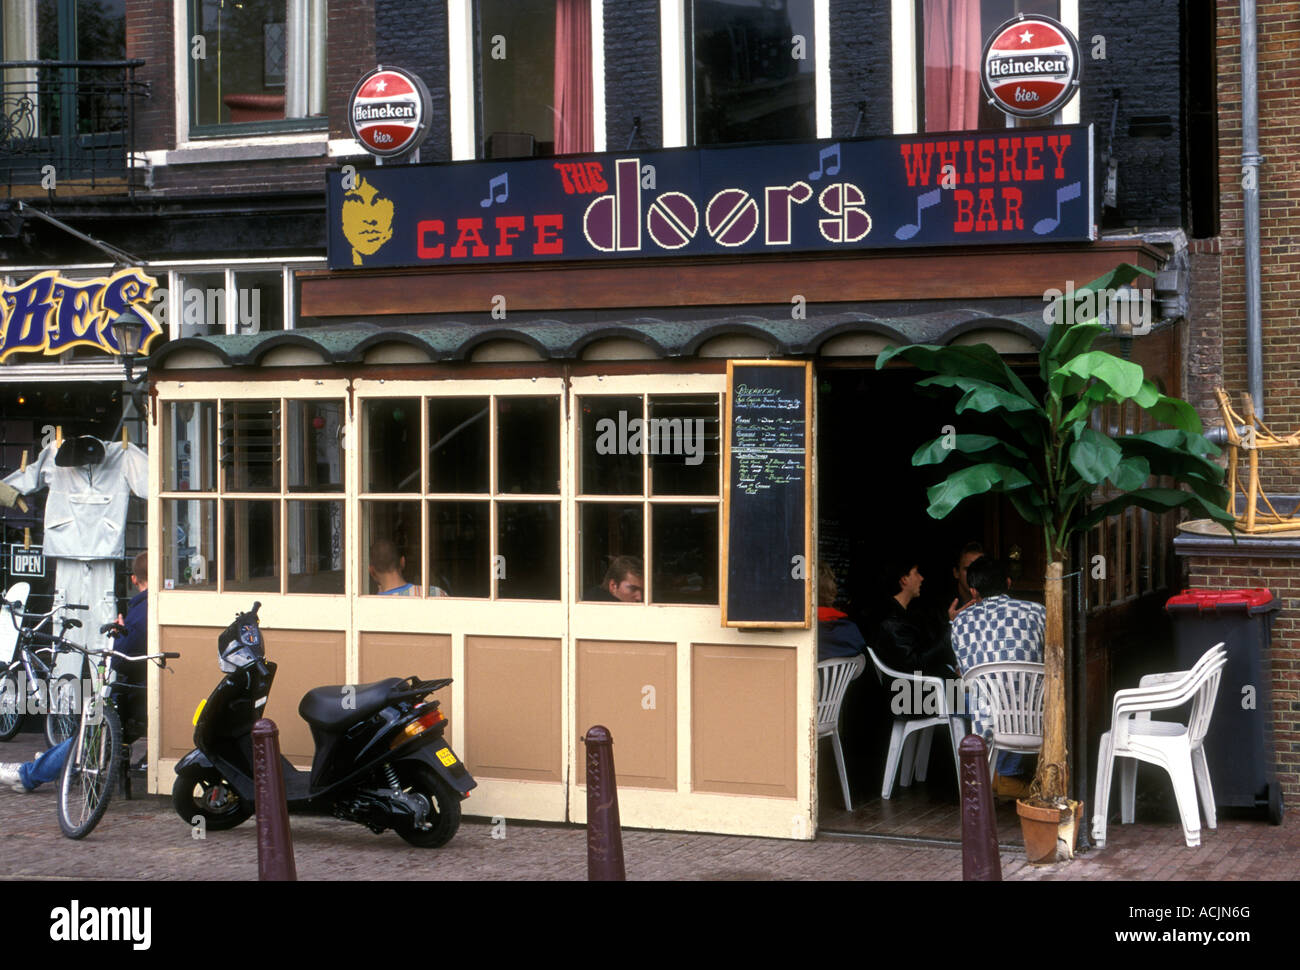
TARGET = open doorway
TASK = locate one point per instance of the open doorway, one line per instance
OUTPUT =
(872, 511)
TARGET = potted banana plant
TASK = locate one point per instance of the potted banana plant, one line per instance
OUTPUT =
(1049, 460)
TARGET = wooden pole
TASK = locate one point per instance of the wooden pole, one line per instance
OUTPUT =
(1053, 778)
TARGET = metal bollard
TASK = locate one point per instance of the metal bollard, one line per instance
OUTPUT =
(274, 840)
(980, 861)
(604, 834)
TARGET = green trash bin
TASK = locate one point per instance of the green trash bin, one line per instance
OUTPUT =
(1239, 748)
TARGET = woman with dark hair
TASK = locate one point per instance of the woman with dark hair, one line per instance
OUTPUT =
(905, 640)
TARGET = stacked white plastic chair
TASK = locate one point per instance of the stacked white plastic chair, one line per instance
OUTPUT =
(1177, 748)
(909, 740)
(833, 678)
(1010, 694)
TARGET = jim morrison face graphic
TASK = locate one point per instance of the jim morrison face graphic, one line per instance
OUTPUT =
(367, 220)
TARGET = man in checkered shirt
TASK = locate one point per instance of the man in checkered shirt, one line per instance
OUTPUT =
(991, 629)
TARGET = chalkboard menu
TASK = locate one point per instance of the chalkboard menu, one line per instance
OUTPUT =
(767, 500)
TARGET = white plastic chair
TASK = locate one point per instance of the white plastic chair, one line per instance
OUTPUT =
(1012, 693)
(909, 740)
(833, 678)
(17, 594)
(1177, 748)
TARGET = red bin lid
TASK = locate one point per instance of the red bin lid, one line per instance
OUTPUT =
(1213, 599)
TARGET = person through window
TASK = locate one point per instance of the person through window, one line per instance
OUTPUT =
(624, 582)
(905, 640)
(387, 567)
(837, 635)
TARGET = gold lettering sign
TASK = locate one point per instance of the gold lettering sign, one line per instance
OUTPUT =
(48, 314)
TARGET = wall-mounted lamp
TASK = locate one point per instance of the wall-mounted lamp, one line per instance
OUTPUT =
(127, 331)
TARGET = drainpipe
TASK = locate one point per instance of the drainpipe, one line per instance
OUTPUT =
(1250, 163)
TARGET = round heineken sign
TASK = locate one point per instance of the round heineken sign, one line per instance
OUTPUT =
(1030, 67)
(389, 112)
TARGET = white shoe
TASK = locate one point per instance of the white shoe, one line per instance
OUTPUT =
(9, 776)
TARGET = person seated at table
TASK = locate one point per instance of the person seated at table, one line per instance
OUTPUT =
(904, 639)
(995, 628)
(624, 582)
(837, 635)
(967, 555)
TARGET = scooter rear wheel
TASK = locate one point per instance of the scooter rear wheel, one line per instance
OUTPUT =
(201, 791)
(444, 806)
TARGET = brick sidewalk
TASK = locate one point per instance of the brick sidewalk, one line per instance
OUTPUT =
(144, 839)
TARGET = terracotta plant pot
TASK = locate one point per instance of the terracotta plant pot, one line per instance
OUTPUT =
(1049, 832)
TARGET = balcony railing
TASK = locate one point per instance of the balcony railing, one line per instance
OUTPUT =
(68, 126)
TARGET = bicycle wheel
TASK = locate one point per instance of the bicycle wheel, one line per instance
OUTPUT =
(11, 705)
(65, 710)
(88, 775)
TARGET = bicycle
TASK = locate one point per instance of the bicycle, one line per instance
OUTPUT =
(56, 699)
(86, 782)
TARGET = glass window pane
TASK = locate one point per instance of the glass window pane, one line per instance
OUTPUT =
(259, 301)
(250, 445)
(458, 444)
(528, 445)
(528, 540)
(251, 546)
(392, 436)
(516, 56)
(954, 35)
(200, 304)
(315, 547)
(190, 446)
(610, 445)
(683, 444)
(189, 542)
(252, 69)
(460, 537)
(315, 454)
(753, 80)
(390, 548)
(612, 542)
(684, 566)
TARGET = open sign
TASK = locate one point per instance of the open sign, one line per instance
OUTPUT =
(26, 562)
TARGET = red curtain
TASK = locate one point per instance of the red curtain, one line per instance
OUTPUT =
(574, 128)
(952, 62)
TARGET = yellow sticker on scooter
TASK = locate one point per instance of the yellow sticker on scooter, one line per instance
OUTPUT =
(199, 710)
(446, 757)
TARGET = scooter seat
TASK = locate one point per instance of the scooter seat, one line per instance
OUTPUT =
(334, 707)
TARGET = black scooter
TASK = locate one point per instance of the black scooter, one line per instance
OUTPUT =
(380, 760)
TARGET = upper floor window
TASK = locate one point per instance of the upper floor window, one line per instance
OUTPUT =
(954, 33)
(534, 77)
(752, 70)
(256, 63)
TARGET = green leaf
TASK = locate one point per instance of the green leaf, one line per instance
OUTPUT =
(977, 361)
(1030, 505)
(1155, 500)
(1130, 474)
(1094, 456)
(1123, 377)
(1173, 452)
(975, 480)
(1176, 412)
(935, 452)
(1063, 342)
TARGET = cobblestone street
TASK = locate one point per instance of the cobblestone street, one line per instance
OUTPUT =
(144, 839)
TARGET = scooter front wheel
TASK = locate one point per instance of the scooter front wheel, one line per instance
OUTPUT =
(444, 806)
(201, 792)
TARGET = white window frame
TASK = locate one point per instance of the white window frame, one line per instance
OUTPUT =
(672, 50)
(906, 57)
(460, 78)
(270, 139)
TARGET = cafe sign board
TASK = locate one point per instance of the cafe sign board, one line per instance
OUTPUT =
(47, 314)
(954, 189)
(1030, 67)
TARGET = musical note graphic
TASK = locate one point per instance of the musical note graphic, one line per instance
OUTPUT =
(822, 167)
(926, 200)
(1064, 194)
(502, 182)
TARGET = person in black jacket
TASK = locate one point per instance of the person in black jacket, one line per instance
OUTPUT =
(905, 640)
